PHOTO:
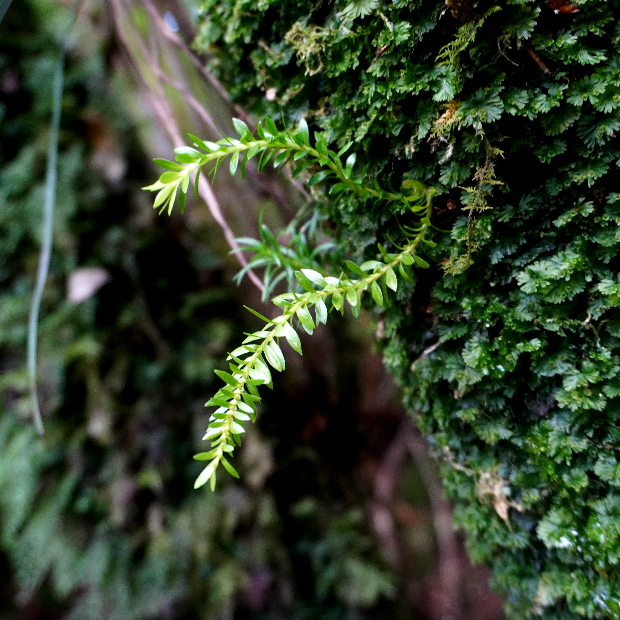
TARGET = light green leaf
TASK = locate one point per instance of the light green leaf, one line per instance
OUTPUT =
(212, 432)
(244, 407)
(355, 269)
(407, 258)
(405, 273)
(371, 265)
(236, 428)
(169, 165)
(375, 291)
(241, 128)
(229, 468)
(205, 456)
(258, 314)
(315, 277)
(217, 401)
(274, 356)
(187, 150)
(390, 279)
(234, 162)
(353, 297)
(206, 473)
(271, 127)
(302, 130)
(262, 367)
(421, 262)
(163, 195)
(228, 378)
(304, 281)
(321, 311)
(305, 319)
(318, 177)
(337, 300)
(292, 337)
(345, 148)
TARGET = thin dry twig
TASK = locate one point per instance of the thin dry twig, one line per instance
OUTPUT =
(166, 119)
(198, 62)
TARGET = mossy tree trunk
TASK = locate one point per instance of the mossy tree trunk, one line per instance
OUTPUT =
(508, 350)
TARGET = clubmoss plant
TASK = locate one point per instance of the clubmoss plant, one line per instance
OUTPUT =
(249, 364)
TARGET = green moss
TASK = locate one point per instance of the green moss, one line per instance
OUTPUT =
(520, 397)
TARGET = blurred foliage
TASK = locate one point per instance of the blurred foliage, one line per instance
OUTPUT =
(99, 518)
(512, 363)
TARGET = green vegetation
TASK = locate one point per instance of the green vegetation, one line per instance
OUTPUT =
(236, 401)
(509, 353)
(98, 518)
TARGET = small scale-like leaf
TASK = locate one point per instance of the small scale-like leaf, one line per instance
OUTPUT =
(315, 277)
(375, 291)
(353, 297)
(281, 158)
(262, 367)
(264, 159)
(249, 399)
(344, 149)
(321, 146)
(169, 165)
(236, 428)
(421, 262)
(407, 259)
(187, 150)
(337, 300)
(229, 468)
(206, 473)
(212, 432)
(350, 161)
(299, 155)
(242, 406)
(226, 377)
(186, 158)
(371, 265)
(241, 128)
(271, 127)
(302, 130)
(205, 456)
(319, 176)
(243, 417)
(304, 282)
(338, 187)
(405, 273)
(355, 269)
(292, 337)
(274, 356)
(163, 195)
(305, 319)
(169, 177)
(321, 311)
(217, 401)
(234, 162)
(390, 279)
(258, 314)
(301, 168)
